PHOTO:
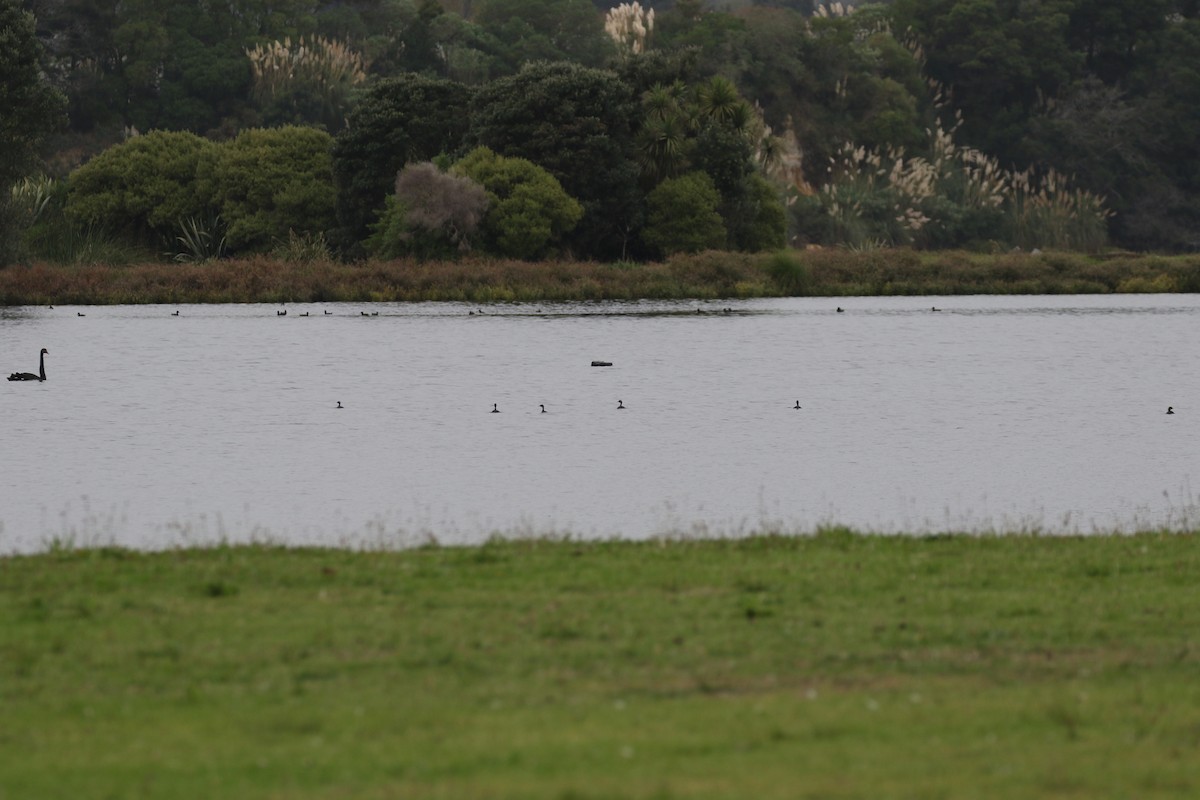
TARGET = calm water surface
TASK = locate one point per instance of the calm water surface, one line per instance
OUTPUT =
(993, 413)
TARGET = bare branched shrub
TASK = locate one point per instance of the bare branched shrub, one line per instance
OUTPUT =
(438, 202)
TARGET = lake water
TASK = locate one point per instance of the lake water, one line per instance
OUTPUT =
(990, 414)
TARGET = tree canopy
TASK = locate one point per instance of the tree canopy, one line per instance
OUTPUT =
(1097, 97)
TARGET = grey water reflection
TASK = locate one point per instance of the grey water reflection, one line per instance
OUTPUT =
(991, 413)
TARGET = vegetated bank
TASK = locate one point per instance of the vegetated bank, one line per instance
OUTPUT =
(709, 275)
(833, 665)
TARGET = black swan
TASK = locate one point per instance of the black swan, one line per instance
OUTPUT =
(543, 405)
(620, 405)
(339, 405)
(494, 409)
(1170, 409)
(29, 376)
(797, 404)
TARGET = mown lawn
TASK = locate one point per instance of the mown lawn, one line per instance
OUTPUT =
(833, 666)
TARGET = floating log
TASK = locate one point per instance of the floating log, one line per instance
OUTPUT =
(601, 363)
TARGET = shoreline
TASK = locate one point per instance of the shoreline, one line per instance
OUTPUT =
(702, 276)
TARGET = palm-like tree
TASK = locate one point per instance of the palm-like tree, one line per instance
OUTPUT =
(662, 140)
(719, 99)
(662, 144)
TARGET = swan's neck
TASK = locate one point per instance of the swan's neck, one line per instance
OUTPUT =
(42, 366)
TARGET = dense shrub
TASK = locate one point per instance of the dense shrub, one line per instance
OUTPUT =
(682, 215)
(528, 213)
(269, 183)
(142, 187)
(756, 218)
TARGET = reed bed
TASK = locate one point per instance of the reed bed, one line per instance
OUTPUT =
(713, 275)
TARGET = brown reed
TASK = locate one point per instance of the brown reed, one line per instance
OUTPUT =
(709, 275)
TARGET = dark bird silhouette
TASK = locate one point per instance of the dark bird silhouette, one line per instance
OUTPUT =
(543, 405)
(797, 404)
(365, 314)
(1170, 409)
(339, 405)
(29, 376)
(80, 314)
(327, 312)
(840, 310)
(281, 313)
(174, 313)
(305, 314)
(620, 406)
(494, 409)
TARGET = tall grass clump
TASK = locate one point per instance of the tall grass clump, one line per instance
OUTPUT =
(1044, 211)
(954, 196)
(303, 248)
(788, 272)
(43, 231)
(319, 71)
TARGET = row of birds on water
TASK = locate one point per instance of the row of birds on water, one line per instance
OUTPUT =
(41, 376)
(480, 312)
(621, 405)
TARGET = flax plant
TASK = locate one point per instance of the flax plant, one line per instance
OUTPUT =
(31, 198)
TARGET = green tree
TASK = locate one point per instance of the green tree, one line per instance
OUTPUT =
(681, 215)
(29, 110)
(998, 60)
(547, 30)
(576, 123)
(756, 218)
(396, 121)
(529, 214)
(142, 188)
(29, 107)
(267, 184)
(1111, 34)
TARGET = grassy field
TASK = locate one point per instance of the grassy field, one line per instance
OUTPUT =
(832, 666)
(826, 273)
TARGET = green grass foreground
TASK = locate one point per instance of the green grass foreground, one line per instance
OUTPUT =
(831, 666)
(712, 275)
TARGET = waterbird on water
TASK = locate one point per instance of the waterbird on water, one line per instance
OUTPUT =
(339, 405)
(797, 404)
(494, 409)
(840, 310)
(29, 376)
(620, 406)
(543, 405)
(1170, 409)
